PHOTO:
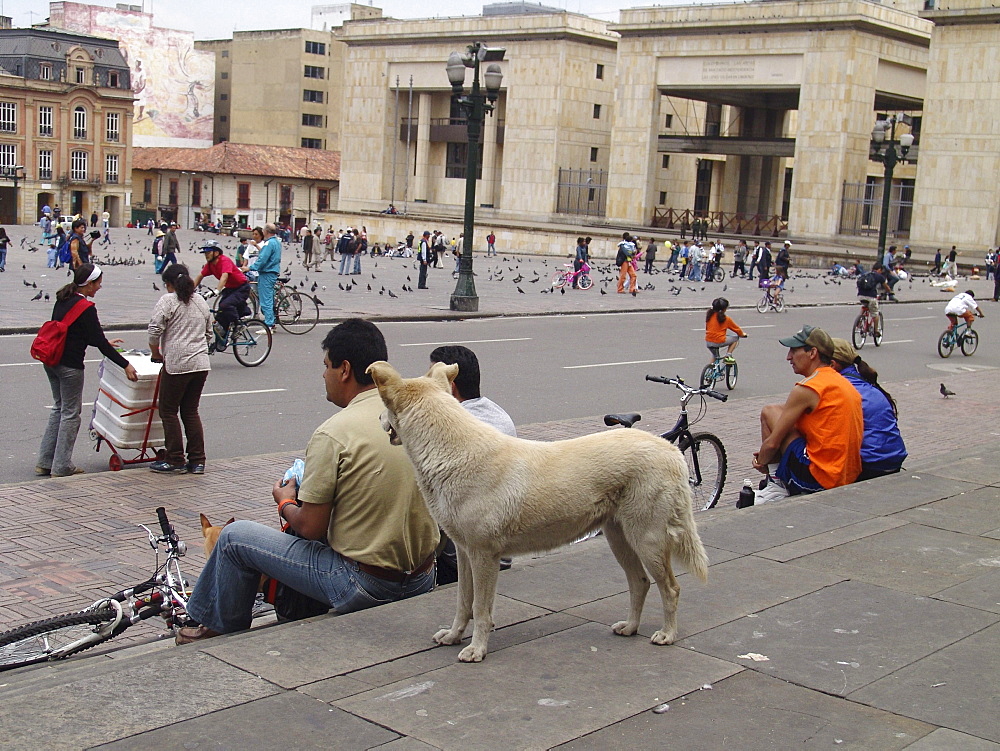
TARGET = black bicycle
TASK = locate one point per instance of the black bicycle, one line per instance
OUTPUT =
(704, 452)
(163, 595)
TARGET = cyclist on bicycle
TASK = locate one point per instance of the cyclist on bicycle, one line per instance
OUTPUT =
(721, 331)
(233, 286)
(963, 304)
(871, 286)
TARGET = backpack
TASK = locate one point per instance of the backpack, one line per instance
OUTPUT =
(868, 284)
(65, 255)
(621, 257)
(50, 342)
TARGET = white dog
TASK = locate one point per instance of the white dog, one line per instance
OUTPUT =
(497, 495)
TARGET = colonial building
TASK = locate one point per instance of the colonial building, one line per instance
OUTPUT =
(240, 184)
(65, 125)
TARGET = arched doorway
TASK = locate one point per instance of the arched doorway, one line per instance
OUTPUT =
(43, 200)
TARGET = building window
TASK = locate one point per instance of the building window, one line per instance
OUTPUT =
(285, 197)
(322, 199)
(78, 165)
(225, 53)
(315, 48)
(600, 71)
(45, 164)
(312, 143)
(8, 155)
(223, 118)
(314, 71)
(666, 161)
(79, 123)
(81, 75)
(114, 80)
(593, 153)
(8, 117)
(172, 193)
(309, 95)
(45, 72)
(111, 169)
(147, 190)
(44, 121)
(112, 121)
(313, 121)
(196, 192)
(668, 121)
(456, 161)
(597, 112)
(224, 75)
(663, 197)
(224, 97)
(243, 195)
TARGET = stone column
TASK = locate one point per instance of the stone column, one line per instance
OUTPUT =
(421, 178)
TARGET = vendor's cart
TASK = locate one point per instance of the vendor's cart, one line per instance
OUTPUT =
(126, 412)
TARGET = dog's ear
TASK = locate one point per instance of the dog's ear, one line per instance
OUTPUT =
(205, 523)
(382, 373)
(443, 374)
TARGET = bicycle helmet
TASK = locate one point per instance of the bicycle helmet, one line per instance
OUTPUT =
(210, 245)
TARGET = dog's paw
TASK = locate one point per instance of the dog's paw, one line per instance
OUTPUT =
(447, 636)
(662, 637)
(472, 654)
(624, 628)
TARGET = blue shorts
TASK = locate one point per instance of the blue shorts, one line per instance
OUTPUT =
(793, 469)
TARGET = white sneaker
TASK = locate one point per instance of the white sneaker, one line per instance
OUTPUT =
(775, 490)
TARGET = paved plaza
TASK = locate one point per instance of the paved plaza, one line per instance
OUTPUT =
(864, 617)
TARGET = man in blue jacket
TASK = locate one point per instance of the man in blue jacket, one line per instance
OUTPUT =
(268, 266)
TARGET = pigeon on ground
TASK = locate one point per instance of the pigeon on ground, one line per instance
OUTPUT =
(37, 297)
(520, 290)
(392, 294)
(946, 392)
(155, 287)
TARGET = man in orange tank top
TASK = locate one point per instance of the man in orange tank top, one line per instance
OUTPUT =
(812, 442)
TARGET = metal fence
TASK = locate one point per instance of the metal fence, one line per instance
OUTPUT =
(582, 191)
(861, 209)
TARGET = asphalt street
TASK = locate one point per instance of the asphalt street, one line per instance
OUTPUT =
(540, 368)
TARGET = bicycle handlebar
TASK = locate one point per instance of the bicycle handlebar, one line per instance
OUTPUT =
(161, 514)
(679, 383)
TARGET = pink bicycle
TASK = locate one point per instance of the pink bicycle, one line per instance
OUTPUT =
(582, 277)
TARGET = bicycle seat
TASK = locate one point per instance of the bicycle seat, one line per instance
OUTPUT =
(284, 279)
(628, 420)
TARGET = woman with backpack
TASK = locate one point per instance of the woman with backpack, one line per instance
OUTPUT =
(55, 457)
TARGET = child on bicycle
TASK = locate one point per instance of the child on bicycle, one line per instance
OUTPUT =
(963, 304)
(721, 330)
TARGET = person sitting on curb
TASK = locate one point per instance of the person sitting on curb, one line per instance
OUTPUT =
(882, 449)
(365, 536)
(813, 441)
(465, 388)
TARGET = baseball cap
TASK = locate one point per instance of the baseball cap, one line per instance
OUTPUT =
(843, 351)
(426, 233)
(810, 336)
(210, 245)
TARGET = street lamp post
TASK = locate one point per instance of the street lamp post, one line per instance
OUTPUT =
(475, 106)
(884, 138)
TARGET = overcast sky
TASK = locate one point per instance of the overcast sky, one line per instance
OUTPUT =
(217, 19)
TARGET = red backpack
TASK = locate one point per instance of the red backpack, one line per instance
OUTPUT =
(50, 341)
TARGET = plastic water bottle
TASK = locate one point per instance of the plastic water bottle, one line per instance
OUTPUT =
(746, 495)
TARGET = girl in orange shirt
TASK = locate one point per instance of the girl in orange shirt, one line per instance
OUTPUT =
(721, 330)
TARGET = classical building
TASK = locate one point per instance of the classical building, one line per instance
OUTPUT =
(65, 125)
(240, 184)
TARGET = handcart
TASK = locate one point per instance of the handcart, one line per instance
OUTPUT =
(126, 413)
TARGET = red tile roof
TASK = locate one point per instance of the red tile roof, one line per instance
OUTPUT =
(242, 159)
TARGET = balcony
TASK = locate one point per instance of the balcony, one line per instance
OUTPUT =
(79, 178)
(444, 130)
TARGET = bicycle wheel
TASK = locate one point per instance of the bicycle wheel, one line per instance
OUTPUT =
(946, 343)
(779, 302)
(764, 304)
(859, 334)
(298, 313)
(36, 642)
(251, 340)
(708, 376)
(710, 455)
(719, 275)
(559, 279)
(969, 342)
(732, 375)
(584, 281)
(879, 324)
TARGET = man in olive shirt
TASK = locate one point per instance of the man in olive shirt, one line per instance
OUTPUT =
(366, 537)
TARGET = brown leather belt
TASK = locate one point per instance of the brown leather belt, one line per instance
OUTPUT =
(391, 574)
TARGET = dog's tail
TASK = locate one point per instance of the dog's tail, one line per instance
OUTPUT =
(687, 545)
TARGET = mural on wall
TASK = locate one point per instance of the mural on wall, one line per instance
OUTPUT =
(173, 83)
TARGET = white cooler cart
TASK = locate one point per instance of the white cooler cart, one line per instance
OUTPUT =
(126, 413)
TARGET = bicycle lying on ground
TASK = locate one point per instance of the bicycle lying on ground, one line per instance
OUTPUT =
(773, 297)
(867, 324)
(296, 312)
(561, 278)
(962, 335)
(164, 594)
(704, 453)
(250, 338)
(722, 368)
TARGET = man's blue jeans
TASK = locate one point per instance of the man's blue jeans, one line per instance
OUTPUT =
(265, 291)
(224, 596)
